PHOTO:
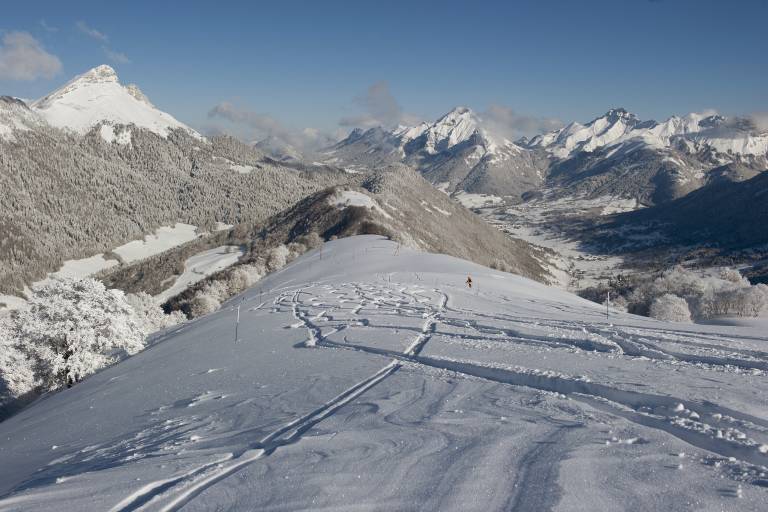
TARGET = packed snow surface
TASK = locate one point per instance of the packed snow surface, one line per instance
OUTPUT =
(364, 377)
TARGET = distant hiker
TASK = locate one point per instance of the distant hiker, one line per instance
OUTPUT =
(469, 281)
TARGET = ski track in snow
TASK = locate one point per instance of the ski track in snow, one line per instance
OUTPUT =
(654, 411)
(533, 491)
(435, 334)
(194, 482)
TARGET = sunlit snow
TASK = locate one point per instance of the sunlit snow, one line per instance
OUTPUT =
(367, 376)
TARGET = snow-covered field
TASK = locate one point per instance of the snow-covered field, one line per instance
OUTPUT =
(367, 378)
(164, 238)
(242, 169)
(201, 265)
(344, 198)
(469, 200)
(84, 267)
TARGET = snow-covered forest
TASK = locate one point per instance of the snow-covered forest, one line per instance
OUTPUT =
(66, 197)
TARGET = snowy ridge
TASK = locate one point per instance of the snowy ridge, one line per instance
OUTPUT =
(16, 115)
(367, 373)
(459, 126)
(618, 127)
(97, 97)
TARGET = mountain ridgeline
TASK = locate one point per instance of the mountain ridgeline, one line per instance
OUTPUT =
(94, 165)
(616, 154)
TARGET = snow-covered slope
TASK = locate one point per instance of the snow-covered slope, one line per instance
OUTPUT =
(97, 97)
(16, 115)
(370, 377)
(453, 128)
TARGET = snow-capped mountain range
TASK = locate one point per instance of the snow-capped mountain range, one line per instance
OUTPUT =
(665, 160)
(456, 152)
(619, 127)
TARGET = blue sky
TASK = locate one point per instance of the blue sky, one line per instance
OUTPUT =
(329, 65)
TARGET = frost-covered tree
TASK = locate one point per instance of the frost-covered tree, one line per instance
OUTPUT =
(209, 298)
(203, 304)
(670, 308)
(16, 374)
(748, 301)
(277, 257)
(731, 275)
(243, 277)
(149, 315)
(72, 328)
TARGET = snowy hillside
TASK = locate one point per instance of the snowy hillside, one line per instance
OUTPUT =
(97, 97)
(368, 376)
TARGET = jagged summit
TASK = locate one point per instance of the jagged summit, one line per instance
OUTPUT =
(453, 128)
(102, 73)
(134, 91)
(616, 114)
(96, 97)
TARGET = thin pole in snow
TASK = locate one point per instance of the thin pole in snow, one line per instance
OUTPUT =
(237, 323)
(607, 302)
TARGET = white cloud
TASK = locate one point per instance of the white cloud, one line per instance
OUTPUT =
(116, 57)
(504, 121)
(113, 55)
(760, 120)
(254, 126)
(91, 32)
(380, 108)
(263, 124)
(22, 57)
(47, 27)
